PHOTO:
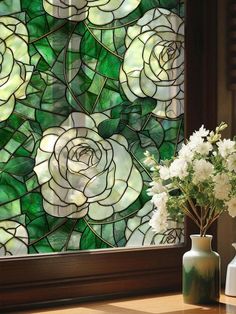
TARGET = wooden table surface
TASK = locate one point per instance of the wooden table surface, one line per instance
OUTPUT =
(158, 304)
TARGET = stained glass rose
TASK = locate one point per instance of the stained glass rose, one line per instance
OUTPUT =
(154, 61)
(13, 238)
(99, 12)
(82, 173)
(139, 232)
(15, 70)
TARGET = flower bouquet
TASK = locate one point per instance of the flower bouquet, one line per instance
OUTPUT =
(199, 182)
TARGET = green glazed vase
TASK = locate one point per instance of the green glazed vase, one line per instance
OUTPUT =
(201, 272)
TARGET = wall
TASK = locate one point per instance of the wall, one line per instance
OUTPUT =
(226, 225)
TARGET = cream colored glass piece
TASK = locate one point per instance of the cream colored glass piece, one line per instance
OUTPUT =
(13, 238)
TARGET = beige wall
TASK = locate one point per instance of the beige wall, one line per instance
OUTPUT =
(226, 225)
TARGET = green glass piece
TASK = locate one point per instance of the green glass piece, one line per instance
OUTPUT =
(38, 27)
(167, 150)
(32, 183)
(33, 8)
(104, 65)
(86, 101)
(18, 166)
(32, 205)
(90, 240)
(8, 7)
(11, 188)
(10, 209)
(25, 111)
(15, 121)
(38, 228)
(108, 99)
(59, 237)
(108, 127)
(94, 54)
(43, 246)
(48, 119)
(5, 135)
(21, 219)
(46, 51)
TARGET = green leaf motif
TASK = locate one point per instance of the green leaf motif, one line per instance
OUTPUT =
(97, 55)
(10, 188)
(32, 205)
(113, 234)
(10, 209)
(108, 127)
(18, 166)
(90, 240)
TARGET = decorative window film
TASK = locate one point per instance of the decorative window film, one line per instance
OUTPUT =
(86, 88)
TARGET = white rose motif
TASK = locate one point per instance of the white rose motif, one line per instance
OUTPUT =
(13, 238)
(154, 61)
(81, 173)
(99, 12)
(15, 70)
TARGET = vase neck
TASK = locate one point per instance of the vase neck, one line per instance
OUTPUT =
(201, 243)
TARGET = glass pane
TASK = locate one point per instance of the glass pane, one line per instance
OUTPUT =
(86, 88)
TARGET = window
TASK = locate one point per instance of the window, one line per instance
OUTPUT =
(74, 134)
(77, 276)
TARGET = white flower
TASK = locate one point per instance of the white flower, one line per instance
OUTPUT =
(195, 142)
(194, 167)
(221, 191)
(232, 206)
(156, 188)
(226, 147)
(160, 200)
(221, 178)
(222, 186)
(204, 148)
(81, 173)
(202, 170)
(202, 132)
(15, 68)
(158, 222)
(164, 172)
(186, 153)
(231, 162)
(154, 61)
(99, 12)
(179, 168)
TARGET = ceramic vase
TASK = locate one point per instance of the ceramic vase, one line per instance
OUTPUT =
(230, 283)
(201, 272)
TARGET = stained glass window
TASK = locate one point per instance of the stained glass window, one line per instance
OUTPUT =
(86, 89)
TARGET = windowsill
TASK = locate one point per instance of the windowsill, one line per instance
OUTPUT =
(158, 304)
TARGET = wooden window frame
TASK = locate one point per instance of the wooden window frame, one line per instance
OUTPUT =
(65, 278)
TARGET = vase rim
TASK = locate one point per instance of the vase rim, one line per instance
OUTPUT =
(199, 236)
